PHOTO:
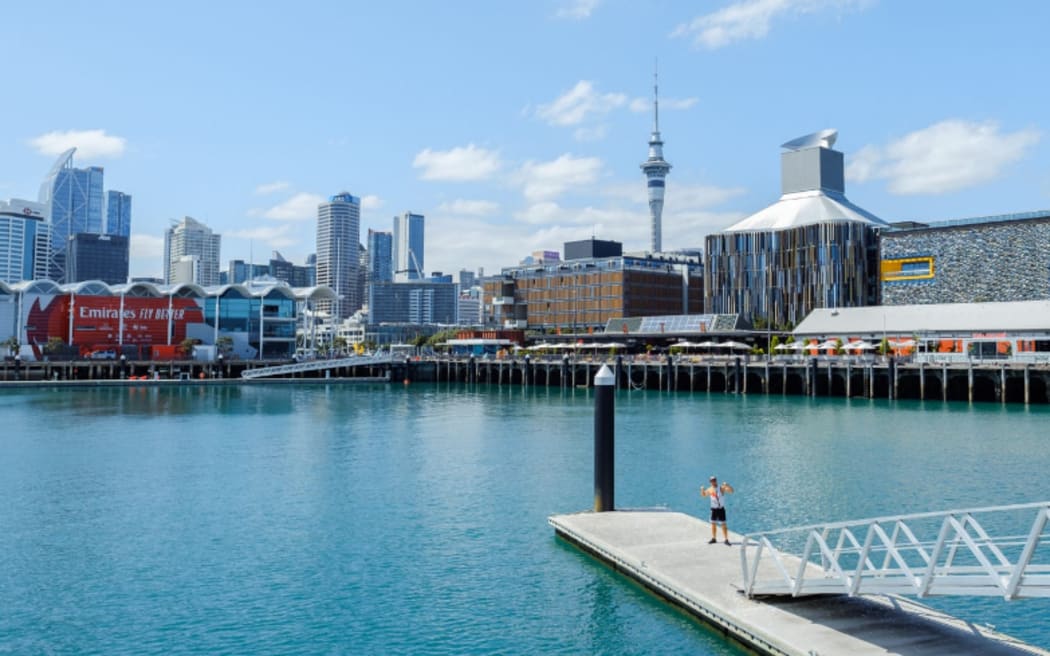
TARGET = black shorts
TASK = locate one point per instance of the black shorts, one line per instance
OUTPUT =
(718, 515)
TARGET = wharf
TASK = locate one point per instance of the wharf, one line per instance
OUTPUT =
(667, 552)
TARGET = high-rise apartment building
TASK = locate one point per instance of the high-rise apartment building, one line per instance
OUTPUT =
(74, 204)
(408, 247)
(25, 242)
(191, 253)
(118, 213)
(338, 240)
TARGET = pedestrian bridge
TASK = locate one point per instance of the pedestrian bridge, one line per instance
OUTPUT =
(285, 370)
(995, 551)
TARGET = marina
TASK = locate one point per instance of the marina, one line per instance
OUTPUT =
(667, 553)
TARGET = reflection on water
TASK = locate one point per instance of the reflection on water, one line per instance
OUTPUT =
(378, 518)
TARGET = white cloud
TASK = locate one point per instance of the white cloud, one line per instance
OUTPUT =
(642, 105)
(89, 143)
(460, 207)
(545, 180)
(575, 105)
(146, 246)
(752, 19)
(371, 202)
(272, 187)
(944, 157)
(275, 236)
(460, 164)
(300, 207)
(577, 9)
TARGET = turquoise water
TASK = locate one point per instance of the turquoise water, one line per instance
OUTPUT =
(393, 519)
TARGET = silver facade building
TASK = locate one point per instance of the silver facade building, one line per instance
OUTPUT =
(656, 169)
(811, 249)
(191, 253)
(408, 247)
(338, 257)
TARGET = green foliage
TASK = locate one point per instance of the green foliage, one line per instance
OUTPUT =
(774, 343)
(54, 345)
(884, 346)
(838, 346)
(12, 345)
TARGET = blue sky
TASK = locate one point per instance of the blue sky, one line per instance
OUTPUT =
(517, 126)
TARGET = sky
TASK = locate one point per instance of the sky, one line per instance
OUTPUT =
(516, 126)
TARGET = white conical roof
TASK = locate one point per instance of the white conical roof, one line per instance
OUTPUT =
(805, 208)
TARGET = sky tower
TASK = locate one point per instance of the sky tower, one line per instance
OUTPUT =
(655, 169)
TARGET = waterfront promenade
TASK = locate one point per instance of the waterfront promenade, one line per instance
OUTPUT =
(667, 552)
(1000, 381)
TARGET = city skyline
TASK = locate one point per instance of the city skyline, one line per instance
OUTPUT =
(521, 138)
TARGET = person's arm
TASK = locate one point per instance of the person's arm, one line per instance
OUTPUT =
(704, 491)
(727, 488)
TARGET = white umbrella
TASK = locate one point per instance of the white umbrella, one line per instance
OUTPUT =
(734, 345)
(860, 346)
(904, 343)
(827, 344)
(784, 347)
(707, 344)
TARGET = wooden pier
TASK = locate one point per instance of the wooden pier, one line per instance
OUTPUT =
(668, 553)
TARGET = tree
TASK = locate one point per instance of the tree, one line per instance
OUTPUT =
(774, 343)
(12, 344)
(838, 346)
(224, 344)
(186, 347)
(884, 346)
(54, 345)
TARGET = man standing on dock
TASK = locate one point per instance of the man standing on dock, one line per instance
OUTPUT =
(716, 494)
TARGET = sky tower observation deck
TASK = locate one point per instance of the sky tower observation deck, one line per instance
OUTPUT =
(656, 169)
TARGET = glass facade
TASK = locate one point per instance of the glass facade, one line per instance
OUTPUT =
(380, 256)
(118, 213)
(98, 257)
(408, 247)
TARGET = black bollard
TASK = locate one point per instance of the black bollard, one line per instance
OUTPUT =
(736, 376)
(525, 374)
(813, 377)
(604, 440)
(619, 370)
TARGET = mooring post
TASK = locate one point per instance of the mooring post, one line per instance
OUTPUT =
(604, 439)
(525, 373)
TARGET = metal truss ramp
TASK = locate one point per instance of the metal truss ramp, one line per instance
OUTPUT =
(315, 365)
(996, 551)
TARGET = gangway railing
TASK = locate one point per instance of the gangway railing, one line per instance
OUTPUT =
(316, 365)
(1006, 553)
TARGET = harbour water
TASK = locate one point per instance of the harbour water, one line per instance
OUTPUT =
(412, 519)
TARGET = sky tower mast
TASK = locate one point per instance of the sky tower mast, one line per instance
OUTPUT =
(655, 169)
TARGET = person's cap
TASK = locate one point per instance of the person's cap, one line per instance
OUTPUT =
(714, 478)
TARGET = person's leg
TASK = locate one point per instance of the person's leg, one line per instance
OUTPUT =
(725, 532)
(714, 533)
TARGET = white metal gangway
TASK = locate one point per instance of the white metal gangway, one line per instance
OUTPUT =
(317, 365)
(1006, 553)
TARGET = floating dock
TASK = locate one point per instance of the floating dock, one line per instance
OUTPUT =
(669, 554)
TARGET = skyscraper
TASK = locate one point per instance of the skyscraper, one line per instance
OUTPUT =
(118, 213)
(408, 247)
(24, 241)
(380, 256)
(191, 253)
(655, 169)
(74, 200)
(97, 257)
(338, 240)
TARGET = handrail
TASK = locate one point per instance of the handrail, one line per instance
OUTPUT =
(963, 558)
(316, 365)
